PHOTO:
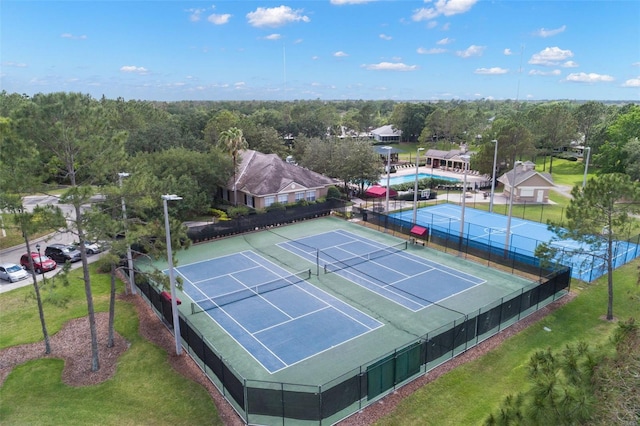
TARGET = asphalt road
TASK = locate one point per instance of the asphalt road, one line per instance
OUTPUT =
(12, 255)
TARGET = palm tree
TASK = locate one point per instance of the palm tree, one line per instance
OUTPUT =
(233, 141)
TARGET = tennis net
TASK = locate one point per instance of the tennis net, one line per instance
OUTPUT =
(340, 264)
(238, 295)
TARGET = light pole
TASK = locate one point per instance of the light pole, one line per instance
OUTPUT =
(172, 282)
(507, 237)
(40, 260)
(586, 166)
(132, 280)
(388, 148)
(415, 188)
(464, 193)
(493, 176)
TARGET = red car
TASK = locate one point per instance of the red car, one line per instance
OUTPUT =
(40, 263)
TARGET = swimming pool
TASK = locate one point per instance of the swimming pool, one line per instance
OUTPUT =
(396, 180)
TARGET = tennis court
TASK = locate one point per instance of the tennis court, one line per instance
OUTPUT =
(406, 279)
(276, 316)
(288, 343)
(525, 236)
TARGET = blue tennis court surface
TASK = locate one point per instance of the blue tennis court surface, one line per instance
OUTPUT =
(525, 235)
(408, 280)
(277, 316)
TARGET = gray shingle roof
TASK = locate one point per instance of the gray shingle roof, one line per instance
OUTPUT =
(264, 174)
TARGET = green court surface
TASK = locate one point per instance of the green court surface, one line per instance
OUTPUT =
(400, 325)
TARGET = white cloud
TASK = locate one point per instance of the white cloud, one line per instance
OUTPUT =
(583, 77)
(632, 82)
(550, 56)
(195, 14)
(273, 37)
(538, 72)
(14, 64)
(543, 32)
(340, 54)
(508, 52)
(569, 64)
(635, 64)
(491, 71)
(445, 41)
(385, 37)
(432, 51)
(134, 69)
(72, 37)
(217, 19)
(275, 16)
(443, 7)
(342, 2)
(470, 51)
(390, 66)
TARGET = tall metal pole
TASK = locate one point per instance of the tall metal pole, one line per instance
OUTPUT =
(415, 187)
(172, 282)
(493, 176)
(130, 271)
(586, 166)
(464, 193)
(507, 238)
(388, 148)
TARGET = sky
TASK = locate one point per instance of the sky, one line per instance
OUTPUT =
(287, 50)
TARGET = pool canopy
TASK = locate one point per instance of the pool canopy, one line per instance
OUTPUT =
(377, 191)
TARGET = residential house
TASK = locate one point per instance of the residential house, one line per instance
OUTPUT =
(386, 134)
(526, 183)
(264, 179)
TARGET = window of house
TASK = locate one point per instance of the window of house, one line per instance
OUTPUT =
(283, 198)
(311, 195)
(249, 200)
(269, 200)
(299, 195)
(526, 192)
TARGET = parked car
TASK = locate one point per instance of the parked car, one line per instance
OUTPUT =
(40, 263)
(90, 247)
(12, 272)
(62, 253)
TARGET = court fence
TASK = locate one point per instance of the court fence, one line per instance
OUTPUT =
(253, 222)
(444, 232)
(275, 403)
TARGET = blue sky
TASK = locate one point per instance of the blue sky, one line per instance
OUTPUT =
(323, 49)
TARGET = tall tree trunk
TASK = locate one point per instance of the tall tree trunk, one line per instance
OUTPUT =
(112, 306)
(95, 359)
(610, 275)
(45, 333)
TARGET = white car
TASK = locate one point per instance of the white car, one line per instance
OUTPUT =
(89, 247)
(12, 272)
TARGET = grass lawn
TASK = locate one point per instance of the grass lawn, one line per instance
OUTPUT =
(144, 390)
(468, 394)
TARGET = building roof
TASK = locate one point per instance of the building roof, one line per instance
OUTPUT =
(377, 191)
(387, 130)
(523, 173)
(265, 174)
(445, 155)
